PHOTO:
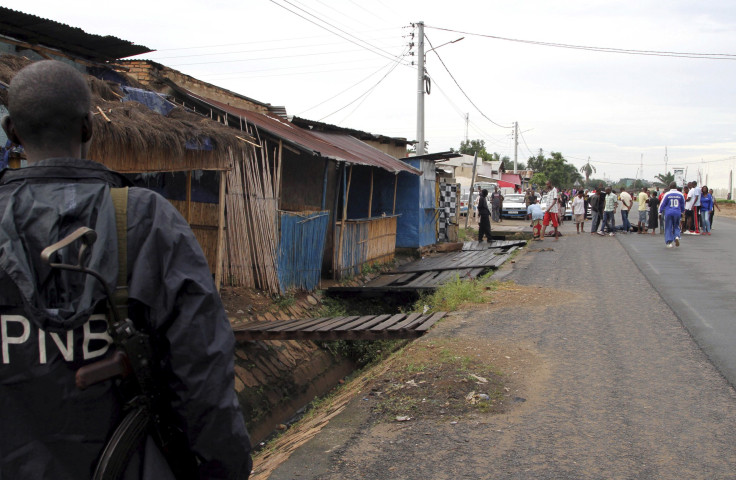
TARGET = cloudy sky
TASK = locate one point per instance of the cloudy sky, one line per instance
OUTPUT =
(349, 63)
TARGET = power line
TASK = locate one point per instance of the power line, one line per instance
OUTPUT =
(262, 58)
(656, 53)
(370, 48)
(461, 88)
(521, 134)
(343, 91)
(290, 47)
(370, 90)
(484, 135)
(244, 74)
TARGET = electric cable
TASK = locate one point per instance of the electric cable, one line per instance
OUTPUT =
(372, 48)
(461, 88)
(657, 53)
(343, 91)
(370, 90)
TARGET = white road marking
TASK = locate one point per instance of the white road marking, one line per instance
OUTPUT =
(703, 320)
(653, 269)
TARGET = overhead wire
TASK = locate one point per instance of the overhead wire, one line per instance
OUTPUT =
(369, 47)
(658, 53)
(461, 88)
(343, 91)
(371, 89)
(484, 135)
(289, 47)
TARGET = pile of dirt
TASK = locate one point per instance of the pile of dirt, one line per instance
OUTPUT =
(442, 377)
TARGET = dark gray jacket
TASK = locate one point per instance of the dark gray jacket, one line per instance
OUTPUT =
(51, 323)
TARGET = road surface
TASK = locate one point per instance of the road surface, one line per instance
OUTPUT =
(614, 386)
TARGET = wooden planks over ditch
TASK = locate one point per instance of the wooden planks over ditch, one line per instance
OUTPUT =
(431, 272)
(369, 327)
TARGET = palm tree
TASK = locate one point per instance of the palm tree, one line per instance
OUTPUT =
(664, 179)
(588, 170)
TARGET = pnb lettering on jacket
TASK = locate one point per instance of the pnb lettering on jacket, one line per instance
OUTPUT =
(22, 342)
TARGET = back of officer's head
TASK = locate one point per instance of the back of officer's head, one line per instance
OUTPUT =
(47, 102)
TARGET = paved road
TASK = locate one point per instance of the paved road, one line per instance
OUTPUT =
(698, 281)
(621, 391)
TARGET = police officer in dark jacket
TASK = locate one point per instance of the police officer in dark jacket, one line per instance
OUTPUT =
(54, 322)
(484, 224)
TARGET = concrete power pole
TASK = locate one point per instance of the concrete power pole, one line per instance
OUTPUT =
(516, 144)
(420, 89)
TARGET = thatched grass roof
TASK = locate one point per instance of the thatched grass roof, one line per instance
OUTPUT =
(137, 139)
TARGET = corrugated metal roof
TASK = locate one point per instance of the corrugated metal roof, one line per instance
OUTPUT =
(316, 126)
(363, 150)
(514, 178)
(323, 144)
(75, 41)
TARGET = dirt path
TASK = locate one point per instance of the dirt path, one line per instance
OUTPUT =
(603, 382)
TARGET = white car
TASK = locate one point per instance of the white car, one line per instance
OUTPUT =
(514, 206)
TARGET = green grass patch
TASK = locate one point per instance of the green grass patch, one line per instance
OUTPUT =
(451, 295)
(467, 234)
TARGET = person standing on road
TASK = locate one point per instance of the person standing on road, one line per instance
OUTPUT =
(578, 212)
(706, 206)
(715, 205)
(672, 206)
(496, 200)
(553, 207)
(653, 211)
(609, 210)
(594, 200)
(643, 201)
(537, 215)
(484, 214)
(696, 206)
(626, 203)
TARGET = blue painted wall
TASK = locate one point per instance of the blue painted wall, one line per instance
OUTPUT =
(416, 203)
(301, 247)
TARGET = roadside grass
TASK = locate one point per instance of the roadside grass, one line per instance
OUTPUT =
(466, 234)
(457, 292)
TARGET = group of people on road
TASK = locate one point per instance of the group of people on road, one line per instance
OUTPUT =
(693, 209)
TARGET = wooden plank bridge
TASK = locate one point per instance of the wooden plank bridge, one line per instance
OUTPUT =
(431, 272)
(368, 327)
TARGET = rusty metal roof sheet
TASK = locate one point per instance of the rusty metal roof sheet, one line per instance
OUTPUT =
(71, 40)
(339, 147)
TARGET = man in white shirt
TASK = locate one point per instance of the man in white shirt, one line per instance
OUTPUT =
(550, 214)
(626, 202)
(696, 206)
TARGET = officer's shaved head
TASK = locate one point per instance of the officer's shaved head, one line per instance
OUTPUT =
(48, 104)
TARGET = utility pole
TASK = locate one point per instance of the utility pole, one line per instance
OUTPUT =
(516, 143)
(665, 161)
(420, 88)
(472, 188)
(467, 121)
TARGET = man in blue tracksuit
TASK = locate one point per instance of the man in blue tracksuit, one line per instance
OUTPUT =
(672, 206)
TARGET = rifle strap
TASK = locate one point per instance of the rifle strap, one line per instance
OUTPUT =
(120, 201)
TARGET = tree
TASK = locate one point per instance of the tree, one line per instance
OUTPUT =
(664, 179)
(536, 163)
(469, 147)
(538, 180)
(587, 170)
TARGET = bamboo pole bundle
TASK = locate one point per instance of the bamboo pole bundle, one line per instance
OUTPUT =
(239, 270)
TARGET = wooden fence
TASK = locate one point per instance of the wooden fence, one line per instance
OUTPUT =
(365, 241)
